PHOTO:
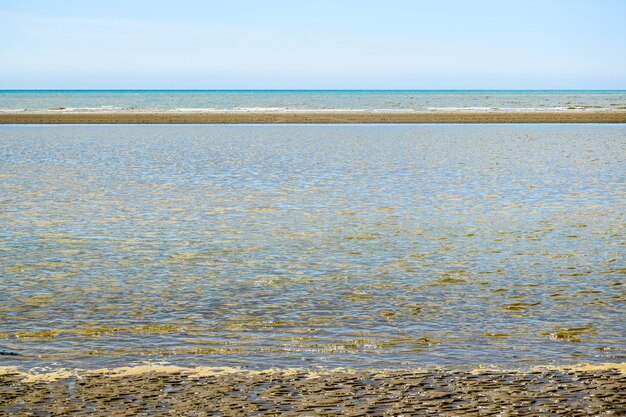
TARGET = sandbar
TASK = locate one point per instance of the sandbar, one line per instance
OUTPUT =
(362, 117)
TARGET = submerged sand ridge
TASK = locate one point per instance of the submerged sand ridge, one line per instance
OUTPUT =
(585, 390)
(313, 117)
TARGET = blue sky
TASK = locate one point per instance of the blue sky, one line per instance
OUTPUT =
(340, 44)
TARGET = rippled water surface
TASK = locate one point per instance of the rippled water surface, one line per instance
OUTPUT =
(359, 246)
(286, 100)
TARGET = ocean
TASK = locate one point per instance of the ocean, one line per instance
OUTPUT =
(367, 247)
(107, 101)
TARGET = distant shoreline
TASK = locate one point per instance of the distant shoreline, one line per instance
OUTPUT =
(315, 117)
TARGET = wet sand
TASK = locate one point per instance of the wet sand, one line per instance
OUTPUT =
(308, 118)
(176, 391)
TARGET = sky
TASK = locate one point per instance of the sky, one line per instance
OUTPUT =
(313, 44)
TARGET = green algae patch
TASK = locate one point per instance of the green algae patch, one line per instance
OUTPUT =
(363, 236)
(451, 277)
(521, 307)
(99, 331)
(389, 314)
(18, 269)
(448, 281)
(497, 335)
(572, 334)
(358, 297)
(567, 336)
(38, 300)
(44, 334)
(147, 329)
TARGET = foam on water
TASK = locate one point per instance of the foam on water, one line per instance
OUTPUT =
(46, 375)
(304, 101)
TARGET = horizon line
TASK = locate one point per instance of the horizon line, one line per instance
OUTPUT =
(311, 89)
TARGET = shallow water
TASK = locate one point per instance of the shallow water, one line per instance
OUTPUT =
(291, 246)
(288, 101)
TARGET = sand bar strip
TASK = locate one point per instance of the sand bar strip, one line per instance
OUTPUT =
(313, 118)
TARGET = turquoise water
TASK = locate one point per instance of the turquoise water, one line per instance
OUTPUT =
(251, 100)
(289, 246)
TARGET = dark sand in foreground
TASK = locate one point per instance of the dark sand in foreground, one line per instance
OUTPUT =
(175, 391)
(322, 117)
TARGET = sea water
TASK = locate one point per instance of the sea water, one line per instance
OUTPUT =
(297, 246)
(108, 101)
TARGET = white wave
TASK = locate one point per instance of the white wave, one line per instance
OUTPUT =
(274, 110)
(12, 110)
(287, 110)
